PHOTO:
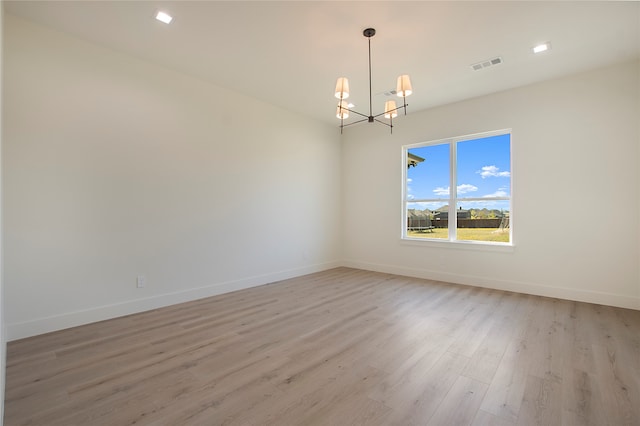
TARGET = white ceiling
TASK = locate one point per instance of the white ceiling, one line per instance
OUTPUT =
(290, 53)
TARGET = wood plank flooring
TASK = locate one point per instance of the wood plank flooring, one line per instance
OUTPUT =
(340, 347)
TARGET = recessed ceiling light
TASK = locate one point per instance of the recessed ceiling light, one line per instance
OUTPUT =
(350, 105)
(541, 47)
(164, 17)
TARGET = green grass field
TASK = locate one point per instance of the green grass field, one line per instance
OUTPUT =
(468, 234)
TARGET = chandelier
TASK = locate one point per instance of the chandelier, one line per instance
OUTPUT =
(403, 89)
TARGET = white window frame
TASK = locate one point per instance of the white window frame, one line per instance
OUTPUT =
(453, 196)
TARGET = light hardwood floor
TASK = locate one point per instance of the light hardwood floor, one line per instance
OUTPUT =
(339, 347)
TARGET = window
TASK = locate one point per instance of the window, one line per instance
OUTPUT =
(479, 210)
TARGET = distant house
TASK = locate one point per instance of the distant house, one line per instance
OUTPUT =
(443, 213)
(463, 214)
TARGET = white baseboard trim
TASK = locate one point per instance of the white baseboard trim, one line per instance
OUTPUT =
(38, 326)
(565, 293)
(72, 319)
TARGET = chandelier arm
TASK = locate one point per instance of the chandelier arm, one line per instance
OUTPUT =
(356, 112)
(382, 122)
(390, 125)
(355, 122)
(391, 110)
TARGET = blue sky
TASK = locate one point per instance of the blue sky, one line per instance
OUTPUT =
(484, 169)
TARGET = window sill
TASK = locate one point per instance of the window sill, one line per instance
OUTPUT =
(462, 245)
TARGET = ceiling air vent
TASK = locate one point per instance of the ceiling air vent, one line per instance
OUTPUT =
(486, 64)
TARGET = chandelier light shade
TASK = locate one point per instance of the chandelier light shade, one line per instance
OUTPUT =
(342, 111)
(403, 89)
(390, 109)
(342, 88)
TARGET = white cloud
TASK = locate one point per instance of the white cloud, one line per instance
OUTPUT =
(441, 191)
(492, 171)
(498, 193)
(409, 189)
(462, 189)
(465, 187)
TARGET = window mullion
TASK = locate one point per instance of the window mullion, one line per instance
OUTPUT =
(405, 201)
(453, 179)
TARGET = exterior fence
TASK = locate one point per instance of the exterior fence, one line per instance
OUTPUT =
(418, 222)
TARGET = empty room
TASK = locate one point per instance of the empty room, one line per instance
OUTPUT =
(320, 213)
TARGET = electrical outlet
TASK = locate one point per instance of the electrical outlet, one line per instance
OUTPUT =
(142, 281)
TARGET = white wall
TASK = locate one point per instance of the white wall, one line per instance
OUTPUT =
(575, 150)
(114, 167)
